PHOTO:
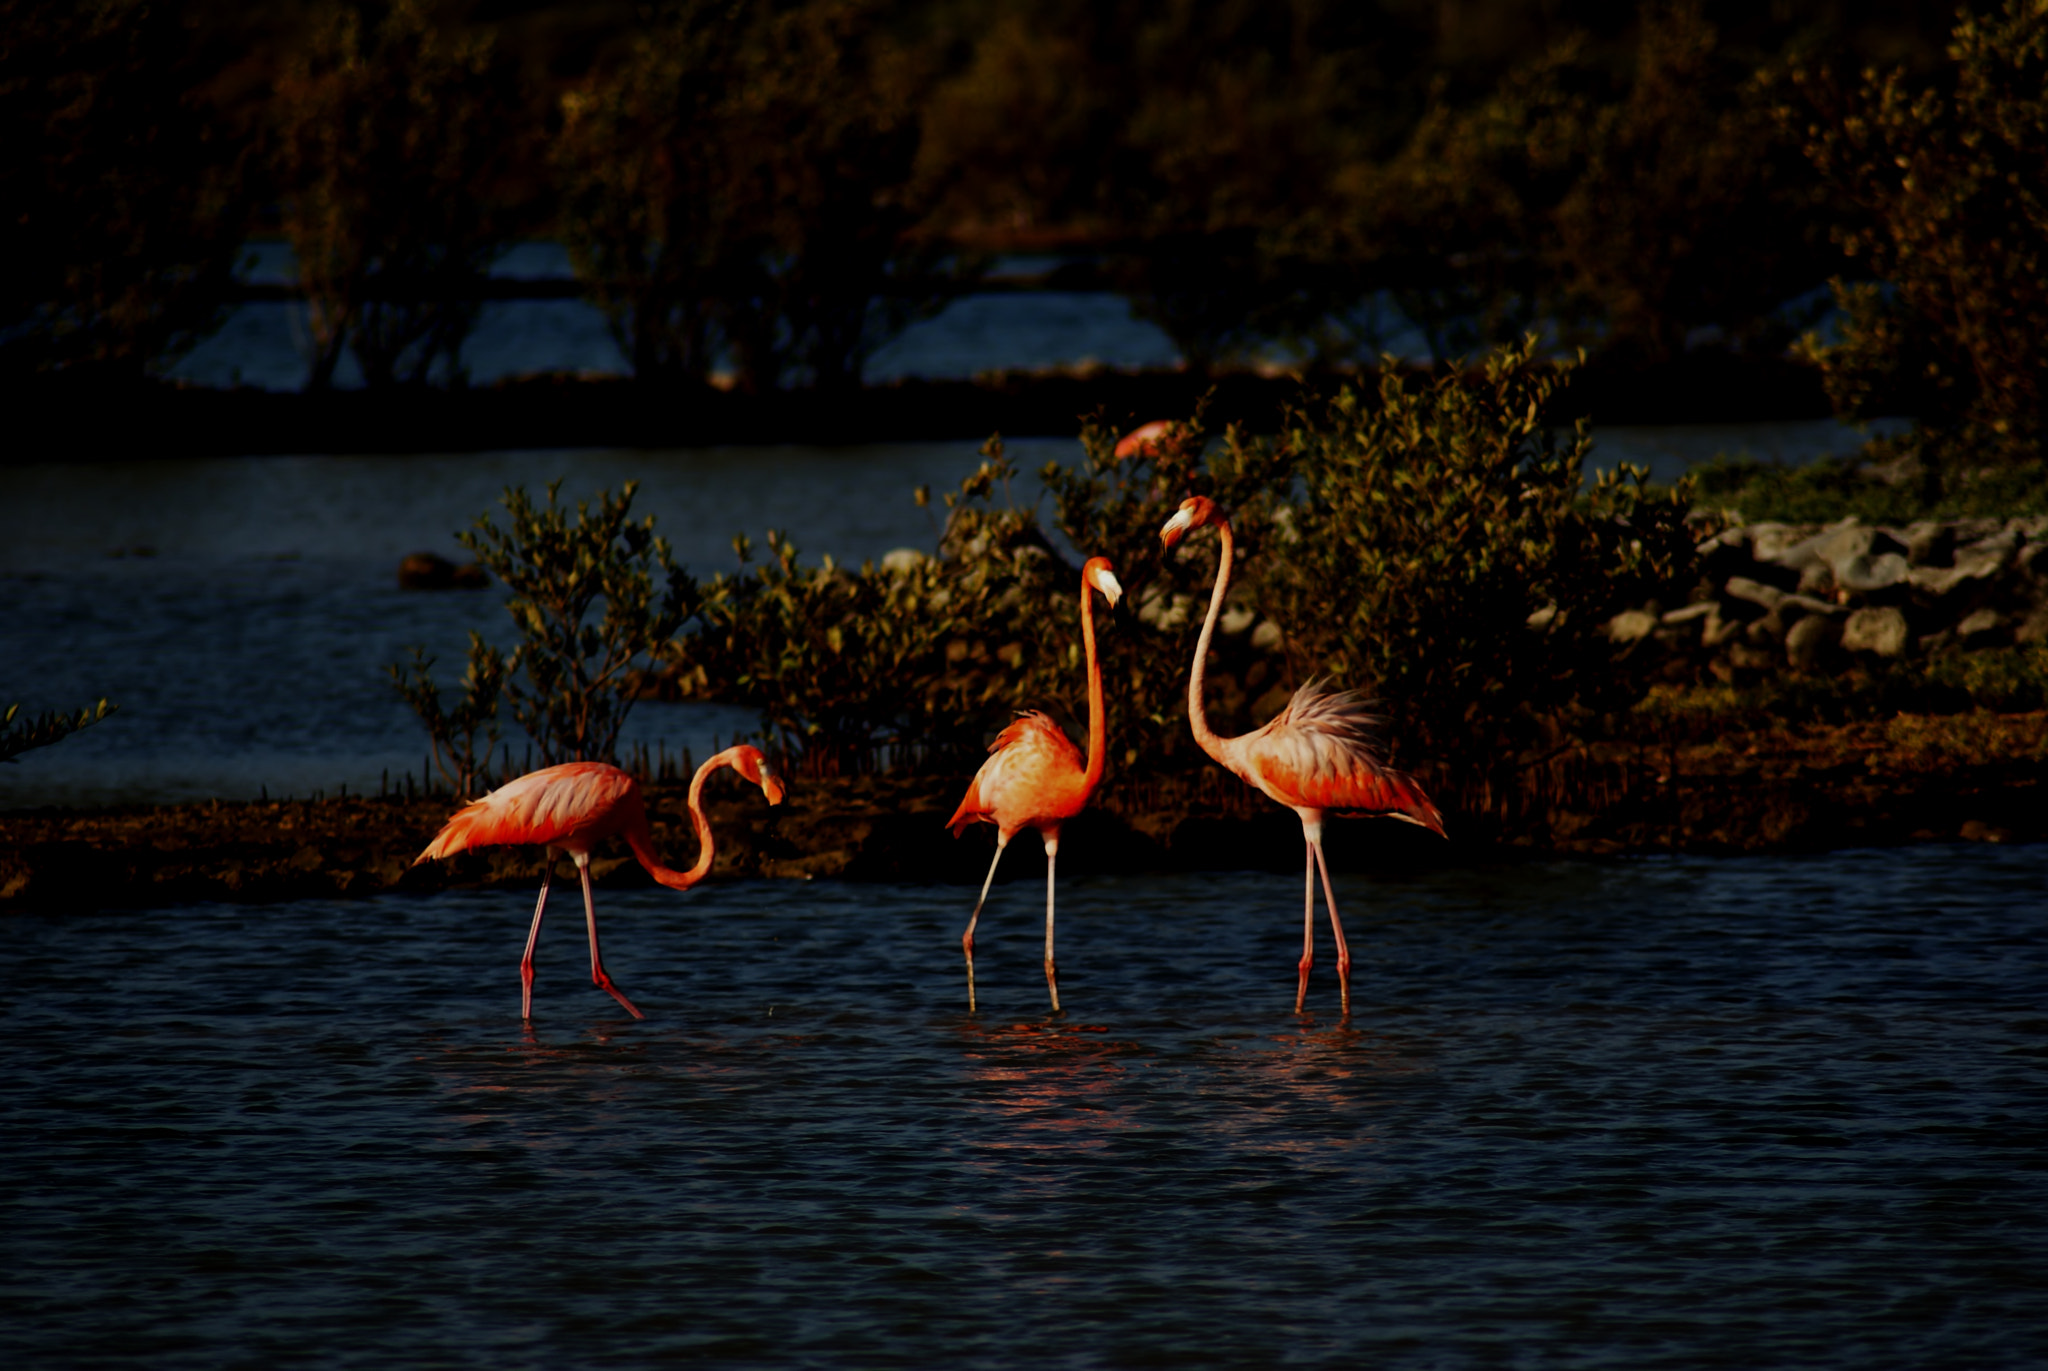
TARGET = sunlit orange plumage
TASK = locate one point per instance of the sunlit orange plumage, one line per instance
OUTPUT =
(1144, 440)
(572, 808)
(1035, 778)
(1316, 756)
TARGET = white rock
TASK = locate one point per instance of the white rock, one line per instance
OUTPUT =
(1719, 630)
(1881, 631)
(1162, 611)
(1631, 625)
(1863, 573)
(899, 560)
(1929, 542)
(1940, 580)
(1807, 645)
(1756, 592)
(1978, 621)
(1767, 542)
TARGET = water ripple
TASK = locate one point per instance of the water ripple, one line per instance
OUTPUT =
(1657, 1113)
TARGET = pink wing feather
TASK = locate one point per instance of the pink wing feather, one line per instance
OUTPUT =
(1319, 754)
(555, 805)
(1032, 755)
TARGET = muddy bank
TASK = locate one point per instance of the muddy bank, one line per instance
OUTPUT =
(1974, 777)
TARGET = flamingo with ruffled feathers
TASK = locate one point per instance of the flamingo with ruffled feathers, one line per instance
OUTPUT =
(1035, 778)
(572, 808)
(1316, 756)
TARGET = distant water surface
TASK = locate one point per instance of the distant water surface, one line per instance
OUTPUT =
(1755, 1112)
(241, 610)
(263, 343)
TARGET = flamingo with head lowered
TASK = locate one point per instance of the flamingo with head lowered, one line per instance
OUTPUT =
(1035, 778)
(574, 807)
(1316, 756)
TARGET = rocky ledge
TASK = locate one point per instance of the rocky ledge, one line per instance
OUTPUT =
(1815, 598)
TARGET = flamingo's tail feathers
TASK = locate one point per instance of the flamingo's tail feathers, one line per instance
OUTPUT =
(970, 809)
(1338, 730)
(471, 826)
(1320, 707)
(1416, 808)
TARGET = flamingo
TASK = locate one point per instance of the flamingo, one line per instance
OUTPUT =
(574, 807)
(1034, 778)
(1144, 440)
(1316, 756)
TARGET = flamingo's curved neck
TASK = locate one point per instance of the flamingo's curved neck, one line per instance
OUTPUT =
(1198, 718)
(1097, 725)
(637, 838)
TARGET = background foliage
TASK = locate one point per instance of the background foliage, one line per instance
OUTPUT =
(1946, 184)
(594, 595)
(1433, 545)
(392, 145)
(760, 194)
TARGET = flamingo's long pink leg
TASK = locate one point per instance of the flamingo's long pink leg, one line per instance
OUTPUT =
(597, 973)
(967, 938)
(1308, 925)
(1052, 980)
(1337, 929)
(533, 936)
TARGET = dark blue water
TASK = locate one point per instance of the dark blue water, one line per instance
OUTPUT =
(1657, 1113)
(264, 343)
(241, 611)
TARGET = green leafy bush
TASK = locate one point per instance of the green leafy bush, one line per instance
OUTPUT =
(1432, 543)
(594, 595)
(1446, 555)
(463, 735)
(915, 663)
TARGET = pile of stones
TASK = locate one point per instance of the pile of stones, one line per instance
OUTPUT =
(1818, 598)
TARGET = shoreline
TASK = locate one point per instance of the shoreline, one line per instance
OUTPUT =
(1913, 779)
(568, 411)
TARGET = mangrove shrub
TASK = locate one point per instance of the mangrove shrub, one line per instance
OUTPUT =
(742, 188)
(391, 150)
(123, 204)
(1948, 187)
(594, 595)
(1445, 554)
